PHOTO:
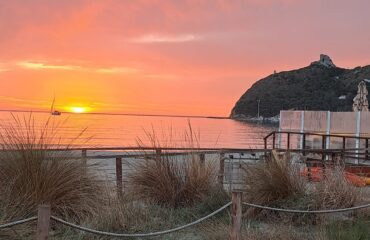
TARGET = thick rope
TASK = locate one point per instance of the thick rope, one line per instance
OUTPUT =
(93, 231)
(307, 211)
(11, 224)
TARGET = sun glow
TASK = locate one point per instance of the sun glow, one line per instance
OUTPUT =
(78, 109)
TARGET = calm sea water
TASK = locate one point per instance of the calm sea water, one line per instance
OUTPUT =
(122, 131)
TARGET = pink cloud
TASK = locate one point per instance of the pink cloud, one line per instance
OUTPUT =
(196, 43)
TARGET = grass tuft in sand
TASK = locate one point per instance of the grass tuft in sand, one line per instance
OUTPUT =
(31, 173)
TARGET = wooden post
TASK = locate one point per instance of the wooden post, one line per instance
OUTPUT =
(119, 176)
(344, 143)
(323, 147)
(265, 142)
(84, 156)
(202, 159)
(43, 222)
(323, 143)
(304, 144)
(273, 141)
(358, 134)
(236, 216)
(221, 171)
(288, 144)
(367, 148)
(301, 130)
(158, 154)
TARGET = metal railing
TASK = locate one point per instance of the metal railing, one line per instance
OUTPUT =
(276, 140)
(324, 137)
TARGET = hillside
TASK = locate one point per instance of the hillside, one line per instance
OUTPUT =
(319, 86)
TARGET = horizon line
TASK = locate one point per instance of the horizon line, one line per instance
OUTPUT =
(122, 114)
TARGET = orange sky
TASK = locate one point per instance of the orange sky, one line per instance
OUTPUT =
(166, 57)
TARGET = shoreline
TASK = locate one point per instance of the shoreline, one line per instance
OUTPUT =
(265, 121)
(120, 114)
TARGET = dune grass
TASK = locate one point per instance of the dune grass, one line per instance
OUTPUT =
(334, 191)
(219, 230)
(358, 230)
(34, 170)
(170, 180)
(277, 182)
(273, 180)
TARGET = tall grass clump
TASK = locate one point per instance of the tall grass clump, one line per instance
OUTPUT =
(169, 182)
(34, 170)
(278, 182)
(273, 180)
(175, 181)
(334, 191)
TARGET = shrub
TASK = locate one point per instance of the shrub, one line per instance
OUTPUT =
(273, 180)
(33, 173)
(169, 180)
(334, 191)
(172, 182)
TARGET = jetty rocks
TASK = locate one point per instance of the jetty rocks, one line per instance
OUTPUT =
(320, 86)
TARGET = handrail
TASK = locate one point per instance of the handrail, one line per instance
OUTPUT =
(190, 150)
(148, 149)
(316, 134)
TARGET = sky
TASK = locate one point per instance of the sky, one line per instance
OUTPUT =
(180, 57)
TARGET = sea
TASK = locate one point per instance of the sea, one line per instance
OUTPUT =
(107, 130)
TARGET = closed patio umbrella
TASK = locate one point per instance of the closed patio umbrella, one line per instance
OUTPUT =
(360, 102)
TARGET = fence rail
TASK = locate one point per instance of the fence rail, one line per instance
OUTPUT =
(276, 140)
(152, 234)
(289, 134)
(227, 158)
(44, 213)
(44, 217)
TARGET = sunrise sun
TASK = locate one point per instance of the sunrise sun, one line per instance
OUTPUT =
(78, 109)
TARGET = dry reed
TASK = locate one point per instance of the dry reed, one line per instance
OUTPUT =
(334, 191)
(273, 180)
(170, 180)
(34, 170)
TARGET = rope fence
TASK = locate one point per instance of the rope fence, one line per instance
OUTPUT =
(328, 211)
(44, 217)
(12, 224)
(102, 233)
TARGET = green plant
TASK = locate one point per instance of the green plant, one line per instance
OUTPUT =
(220, 230)
(358, 230)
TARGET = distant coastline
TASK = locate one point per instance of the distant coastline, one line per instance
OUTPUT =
(262, 120)
(121, 114)
(320, 86)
